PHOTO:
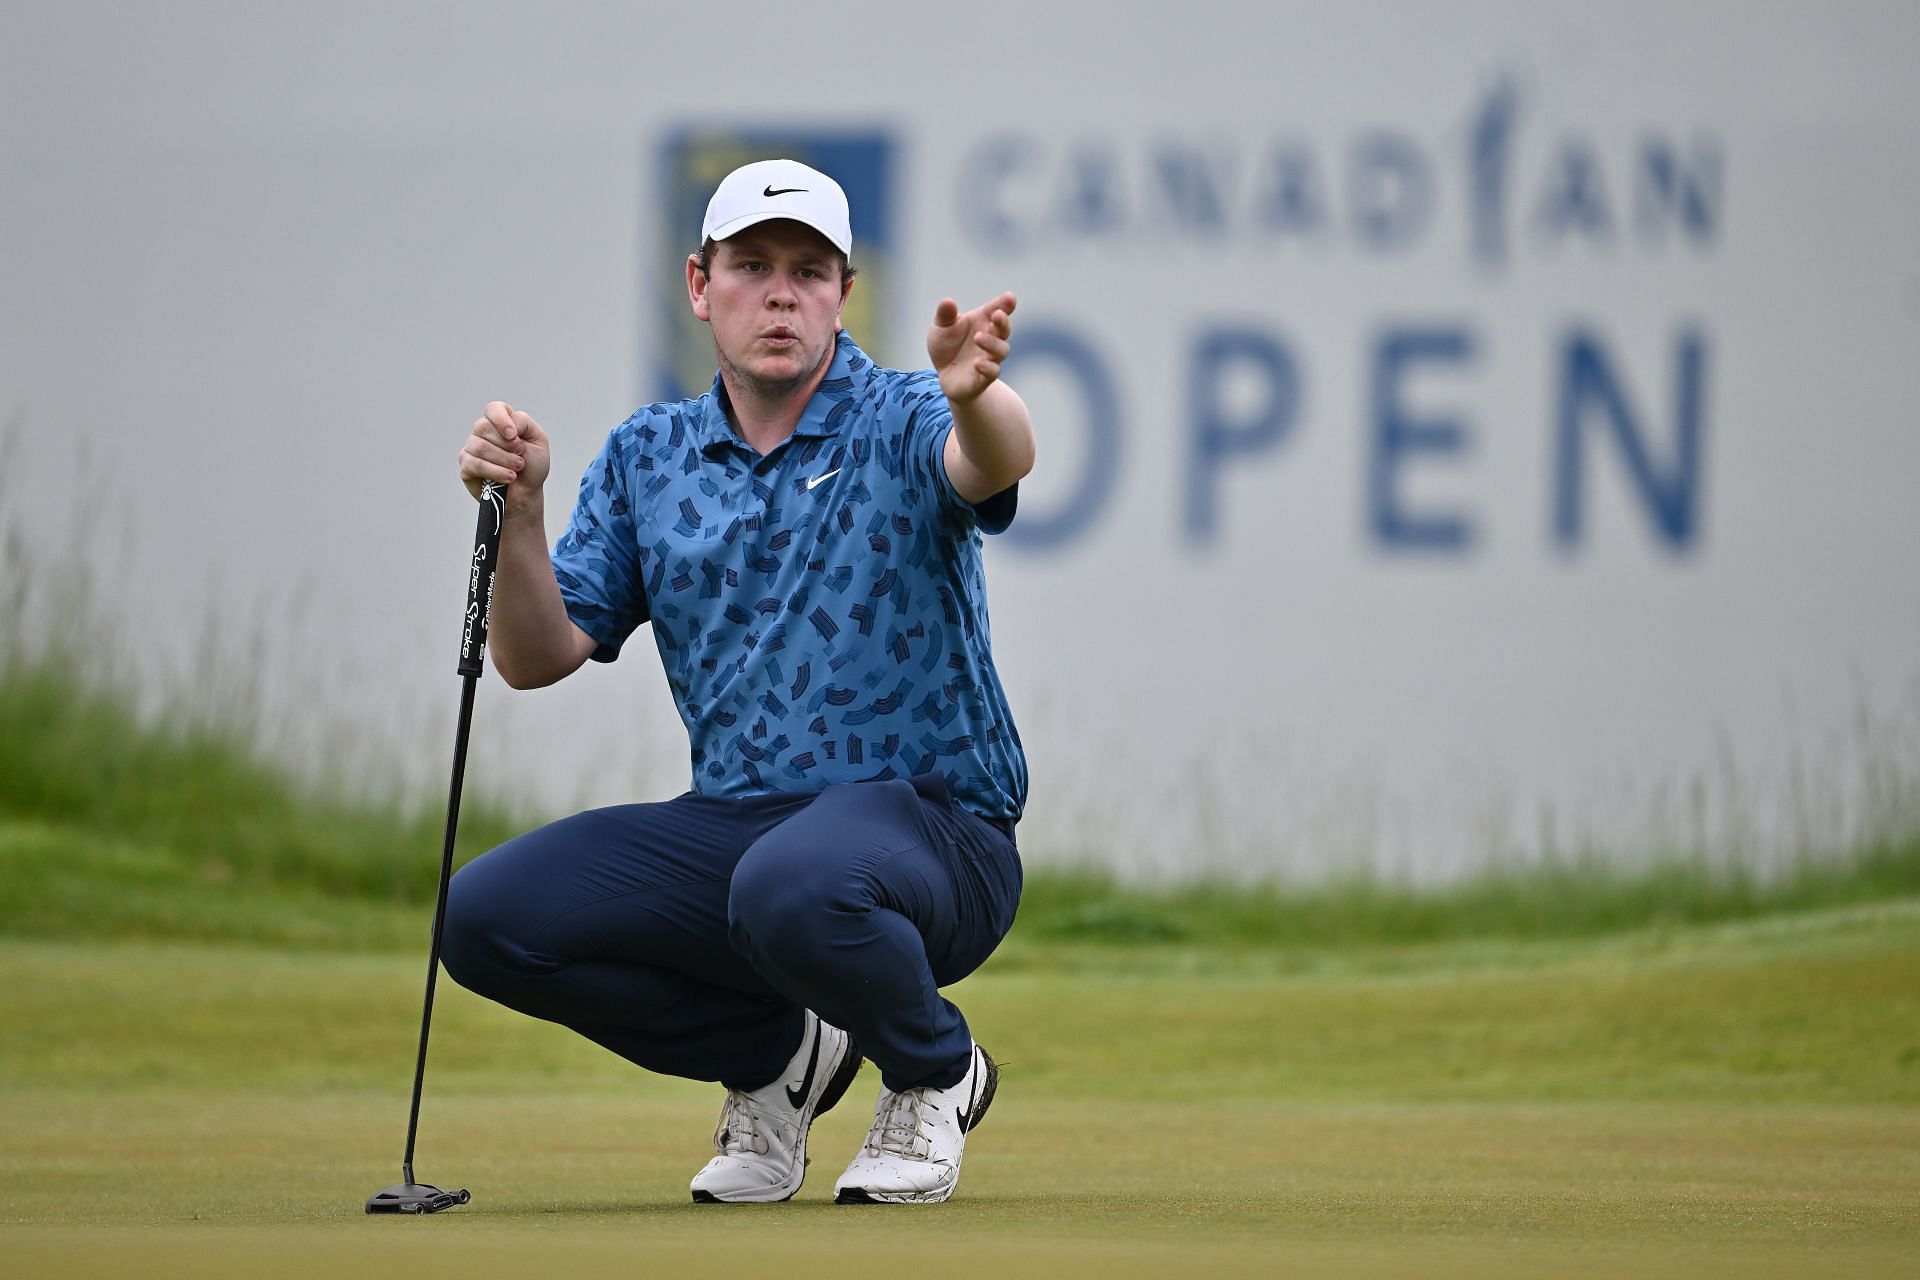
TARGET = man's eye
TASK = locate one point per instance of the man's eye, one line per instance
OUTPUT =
(810, 273)
(749, 266)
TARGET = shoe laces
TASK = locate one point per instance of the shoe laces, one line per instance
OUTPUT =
(739, 1131)
(898, 1126)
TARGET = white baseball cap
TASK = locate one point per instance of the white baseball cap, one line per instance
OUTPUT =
(768, 189)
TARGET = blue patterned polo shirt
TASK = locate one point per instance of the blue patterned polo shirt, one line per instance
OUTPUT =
(821, 611)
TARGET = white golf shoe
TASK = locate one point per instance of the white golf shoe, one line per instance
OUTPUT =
(912, 1153)
(762, 1135)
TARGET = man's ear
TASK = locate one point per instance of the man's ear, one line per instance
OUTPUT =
(697, 289)
(846, 289)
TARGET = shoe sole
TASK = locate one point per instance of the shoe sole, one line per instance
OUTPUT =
(837, 1085)
(860, 1195)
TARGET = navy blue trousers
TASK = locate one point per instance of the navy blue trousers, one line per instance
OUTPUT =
(687, 936)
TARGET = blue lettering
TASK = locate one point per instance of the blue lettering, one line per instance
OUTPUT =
(1671, 191)
(1390, 188)
(1290, 200)
(1191, 190)
(1036, 343)
(1218, 434)
(983, 176)
(1398, 434)
(1575, 200)
(1587, 381)
(1491, 144)
(1090, 197)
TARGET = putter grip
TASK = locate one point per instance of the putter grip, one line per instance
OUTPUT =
(480, 571)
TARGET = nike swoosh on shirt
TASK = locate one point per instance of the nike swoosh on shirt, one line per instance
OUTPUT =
(798, 1097)
(822, 479)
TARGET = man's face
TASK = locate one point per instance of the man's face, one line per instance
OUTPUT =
(773, 296)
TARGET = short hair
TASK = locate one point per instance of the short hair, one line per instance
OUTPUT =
(703, 259)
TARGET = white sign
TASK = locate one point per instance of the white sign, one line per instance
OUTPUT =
(1465, 433)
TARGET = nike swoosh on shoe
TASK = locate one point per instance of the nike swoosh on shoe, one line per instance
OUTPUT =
(798, 1097)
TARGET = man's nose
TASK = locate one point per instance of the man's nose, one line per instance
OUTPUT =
(781, 294)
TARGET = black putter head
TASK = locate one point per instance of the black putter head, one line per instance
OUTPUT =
(415, 1197)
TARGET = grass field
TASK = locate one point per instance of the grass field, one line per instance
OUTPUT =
(210, 976)
(1734, 1099)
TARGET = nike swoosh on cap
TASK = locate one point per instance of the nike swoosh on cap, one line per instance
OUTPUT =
(771, 190)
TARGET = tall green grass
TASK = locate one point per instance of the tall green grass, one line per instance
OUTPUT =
(78, 758)
(115, 822)
(120, 816)
(1566, 898)
(126, 810)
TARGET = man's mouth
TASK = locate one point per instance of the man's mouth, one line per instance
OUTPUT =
(780, 335)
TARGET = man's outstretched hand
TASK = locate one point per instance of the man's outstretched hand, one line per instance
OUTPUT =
(968, 348)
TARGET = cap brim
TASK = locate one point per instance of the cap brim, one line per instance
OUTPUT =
(727, 230)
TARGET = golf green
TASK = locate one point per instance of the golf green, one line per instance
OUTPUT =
(1739, 1099)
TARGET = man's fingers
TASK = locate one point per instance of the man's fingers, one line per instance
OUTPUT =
(486, 429)
(946, 313)
(505, 425)
(995, 347)
(490, 431)
(487, 451)
(989, 369)
(998, 308)
(997, 313)
(501, 448)
(500, 414)
(474, 468)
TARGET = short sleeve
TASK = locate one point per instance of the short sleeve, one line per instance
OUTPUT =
(927, 433)
(597, 560)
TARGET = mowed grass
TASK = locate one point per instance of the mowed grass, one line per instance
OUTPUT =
(1732, 1099)
(210, 976)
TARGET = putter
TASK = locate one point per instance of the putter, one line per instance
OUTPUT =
(411, 1196)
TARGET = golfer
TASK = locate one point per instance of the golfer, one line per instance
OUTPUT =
(805, 539)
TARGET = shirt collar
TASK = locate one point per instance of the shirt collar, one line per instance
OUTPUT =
(847, 370)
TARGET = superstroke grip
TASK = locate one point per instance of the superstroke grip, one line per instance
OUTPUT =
(480, 571)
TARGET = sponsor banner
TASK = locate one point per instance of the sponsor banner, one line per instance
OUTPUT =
(1397, 496)
(1465, 431)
